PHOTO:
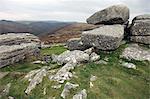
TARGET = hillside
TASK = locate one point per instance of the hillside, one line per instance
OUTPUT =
(63, 34)
(113, 80)
(35, 27)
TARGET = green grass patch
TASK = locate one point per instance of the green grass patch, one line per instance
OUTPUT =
(53, 50)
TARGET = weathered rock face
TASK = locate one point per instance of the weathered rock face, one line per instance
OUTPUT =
(140, 29)
(140, 39)
(107, 37)
(117, 14)
(15, 48)
(136, 53)
(15, 53)
(75, 44)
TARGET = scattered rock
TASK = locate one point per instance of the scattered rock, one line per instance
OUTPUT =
(81, 95)
(44, 92)
(64, 73)
(93, 78)
(39, 62)
(3, 74)
(136, 52)
(94, 57)
(5, 92)
(116, 14)
(106, 59)
(10, 97)
(107, 37)
(129, 65)
(75, 44)
(30, 75)
(37, 79)
(101, 62)
(68, 86)
(75, 56)
(56, 86)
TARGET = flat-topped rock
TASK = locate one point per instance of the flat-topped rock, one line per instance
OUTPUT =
(107, 37)
(12, 38)
(116, 14)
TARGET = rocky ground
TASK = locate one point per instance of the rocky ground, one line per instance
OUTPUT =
(106, 78)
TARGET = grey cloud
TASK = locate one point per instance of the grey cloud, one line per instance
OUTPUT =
(70, 10)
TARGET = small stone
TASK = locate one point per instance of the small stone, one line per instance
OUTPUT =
(6, 90)
(101, 62)
(10, 97)
(39, 62)
(3, 74)
(81, 95)
(68, 86)
(93, 78)
(129, 65)
(44, 92)
(56, 86)
(94, 57)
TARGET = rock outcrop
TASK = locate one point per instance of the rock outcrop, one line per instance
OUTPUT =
(16, 47)
(117, 14)
(140, 29)
(107, 37)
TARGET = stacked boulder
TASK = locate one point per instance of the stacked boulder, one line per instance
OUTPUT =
(112, 22)
(140, 29)
(16, 47)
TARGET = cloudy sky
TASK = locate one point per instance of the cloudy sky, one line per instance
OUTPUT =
(64, 10)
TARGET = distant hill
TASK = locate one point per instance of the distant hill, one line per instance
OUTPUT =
(35, 27)
(11, 26)
(63, 34)
(47, 31)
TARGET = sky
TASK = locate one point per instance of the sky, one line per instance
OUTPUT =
(64, 10)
